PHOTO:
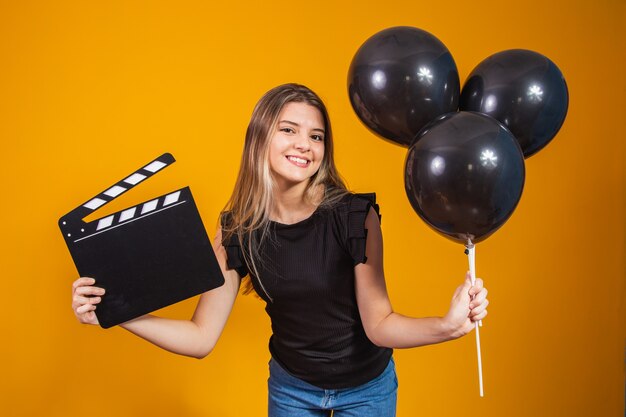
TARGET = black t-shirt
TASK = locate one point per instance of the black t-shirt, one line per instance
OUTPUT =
(306, 273)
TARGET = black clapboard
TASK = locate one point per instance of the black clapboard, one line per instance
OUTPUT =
(147, 256)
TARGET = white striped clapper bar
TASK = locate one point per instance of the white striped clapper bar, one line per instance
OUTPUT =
(147, 256)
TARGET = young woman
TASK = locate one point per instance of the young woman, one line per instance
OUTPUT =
(314, 254)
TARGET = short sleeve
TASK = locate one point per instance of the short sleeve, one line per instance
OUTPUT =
(235, 259)
(358, 208)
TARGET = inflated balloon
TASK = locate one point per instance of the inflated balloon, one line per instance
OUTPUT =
(522, 89)
(465, 175)
(399, 80)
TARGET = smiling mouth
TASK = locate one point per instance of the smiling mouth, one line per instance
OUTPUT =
(301, 162)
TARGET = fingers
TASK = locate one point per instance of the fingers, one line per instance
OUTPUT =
(477, 293)
(478, 304)
(81, 282)
(86, 314)
(476, 288)
(479, 316)
(78, 300)
(85, 297)
(89, 291)
(88, 318)
(478, 298)
(469, 304)
(478, 311)
(85, 308)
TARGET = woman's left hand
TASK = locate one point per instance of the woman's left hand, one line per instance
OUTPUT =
(469, 305)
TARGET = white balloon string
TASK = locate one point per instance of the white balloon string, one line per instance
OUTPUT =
(471, 256)
(480, 363)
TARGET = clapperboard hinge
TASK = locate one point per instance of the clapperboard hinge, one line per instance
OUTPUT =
(76, 229)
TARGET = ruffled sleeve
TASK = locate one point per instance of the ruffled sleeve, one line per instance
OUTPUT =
(358, 208)
(235, 259)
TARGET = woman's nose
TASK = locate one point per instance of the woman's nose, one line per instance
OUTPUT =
(302, 142)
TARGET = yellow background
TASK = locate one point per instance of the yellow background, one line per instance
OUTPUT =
(89, 91)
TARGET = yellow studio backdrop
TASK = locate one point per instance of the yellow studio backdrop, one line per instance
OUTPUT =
(89, 91)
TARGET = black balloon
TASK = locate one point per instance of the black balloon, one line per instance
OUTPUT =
(522, 89)
(400, 79)
(465, 175)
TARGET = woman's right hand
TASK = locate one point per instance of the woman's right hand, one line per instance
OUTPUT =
(85, 297)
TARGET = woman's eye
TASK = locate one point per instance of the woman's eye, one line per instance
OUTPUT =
(287, 129)
(317, 138)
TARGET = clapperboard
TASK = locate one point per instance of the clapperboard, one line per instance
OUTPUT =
(146, 257)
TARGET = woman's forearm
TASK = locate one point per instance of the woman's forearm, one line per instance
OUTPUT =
(196, 337)
(183, 337)
(398, 331)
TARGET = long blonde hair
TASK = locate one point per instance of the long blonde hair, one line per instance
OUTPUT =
(250, 204)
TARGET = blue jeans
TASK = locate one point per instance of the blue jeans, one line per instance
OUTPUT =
(292, 397)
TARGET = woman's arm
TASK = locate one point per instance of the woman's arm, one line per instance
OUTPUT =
(196, 337)
(384, 327)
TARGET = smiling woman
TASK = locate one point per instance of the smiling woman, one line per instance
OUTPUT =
(313, 253)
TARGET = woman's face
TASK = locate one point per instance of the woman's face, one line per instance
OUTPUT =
(297, 144)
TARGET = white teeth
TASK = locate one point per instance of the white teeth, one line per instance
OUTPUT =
(298, 160)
